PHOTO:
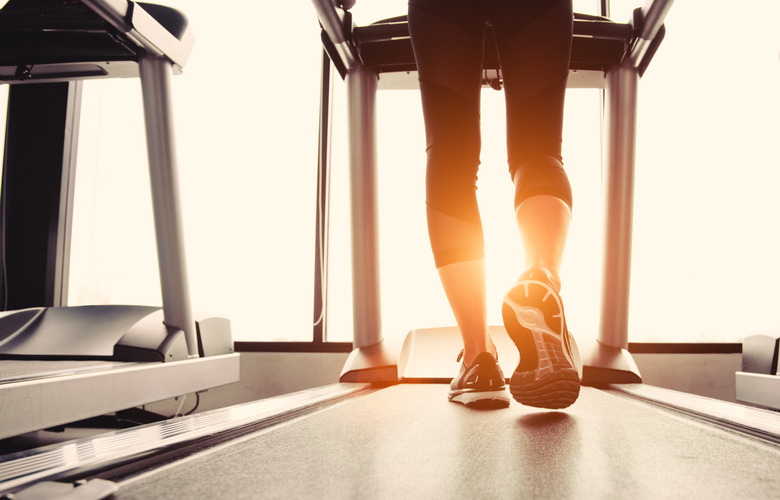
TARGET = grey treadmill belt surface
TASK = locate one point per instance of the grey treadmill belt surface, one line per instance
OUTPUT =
(408, 441)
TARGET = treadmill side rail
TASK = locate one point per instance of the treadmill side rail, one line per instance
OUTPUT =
(758, 389)
(31, 405)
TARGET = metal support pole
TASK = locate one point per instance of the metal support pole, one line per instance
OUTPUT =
(621, 111)
(321, 232)
(155, 75)
(608, 361)
(65, 225)
(361, 92)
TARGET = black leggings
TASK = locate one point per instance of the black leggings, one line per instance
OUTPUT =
(533, 38)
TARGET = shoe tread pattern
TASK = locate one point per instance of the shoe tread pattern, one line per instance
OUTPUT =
(534, 319)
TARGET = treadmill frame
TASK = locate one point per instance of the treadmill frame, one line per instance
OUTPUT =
(189, 356)
(377, 56)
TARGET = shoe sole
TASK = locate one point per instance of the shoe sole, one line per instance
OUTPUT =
(533, 316)
(480, 399)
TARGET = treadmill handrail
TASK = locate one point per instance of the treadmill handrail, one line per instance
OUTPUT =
(653, 15)
(333, 20)
(649, 22)
(642, 35)
(131, 19)
(585, 26)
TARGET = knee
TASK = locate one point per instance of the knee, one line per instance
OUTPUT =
(541, 176)
(451, 176)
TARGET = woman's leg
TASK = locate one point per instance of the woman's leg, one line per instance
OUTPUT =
(448, 44)
(464, 285)
(544, 225)
(534, 43)
(448, 38)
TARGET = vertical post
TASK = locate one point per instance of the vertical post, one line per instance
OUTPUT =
(65, 224)
(361, 92)
(621, 111)
(323, 203)
(609, 361)
(370, 360)
(603, 6)
(155, 75)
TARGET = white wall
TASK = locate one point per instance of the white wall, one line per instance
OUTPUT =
(710, 375)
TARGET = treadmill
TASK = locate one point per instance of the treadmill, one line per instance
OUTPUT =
(605, 55)
(386, 429)
(63, 364)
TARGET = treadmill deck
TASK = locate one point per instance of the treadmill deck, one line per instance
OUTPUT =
(408, 441)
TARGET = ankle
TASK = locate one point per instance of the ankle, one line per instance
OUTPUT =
(467, 356)
(548, 274)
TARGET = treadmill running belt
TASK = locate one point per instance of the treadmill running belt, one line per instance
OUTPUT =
(407, 441)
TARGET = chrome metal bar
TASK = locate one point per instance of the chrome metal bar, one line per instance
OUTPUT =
(361, 102)
(332, 21)
(653, 16)
(321, 232)
(621, 111)
(59, 293)
(155, 75)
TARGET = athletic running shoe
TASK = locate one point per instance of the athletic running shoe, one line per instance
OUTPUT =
(482, 385)
(547, 375)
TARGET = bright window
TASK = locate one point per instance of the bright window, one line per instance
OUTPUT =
(704, 252)
(246, 125)
(410, 291)
(708, 166)
(704, 261)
